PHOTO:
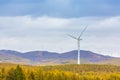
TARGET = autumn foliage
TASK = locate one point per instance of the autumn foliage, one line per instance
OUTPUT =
(59, 72)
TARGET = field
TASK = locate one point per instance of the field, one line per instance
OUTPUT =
(59, 72)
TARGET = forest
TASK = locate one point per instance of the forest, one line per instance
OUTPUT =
(59, 72)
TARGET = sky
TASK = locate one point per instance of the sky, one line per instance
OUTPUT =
(27, 25)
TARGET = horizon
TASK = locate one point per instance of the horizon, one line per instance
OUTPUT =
(27, 25)
(57, 52)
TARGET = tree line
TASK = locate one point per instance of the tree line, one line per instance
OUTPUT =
(61, 72)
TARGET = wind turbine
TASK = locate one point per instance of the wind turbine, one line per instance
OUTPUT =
(78, 42)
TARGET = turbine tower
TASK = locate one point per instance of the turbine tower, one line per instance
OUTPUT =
(78, 42)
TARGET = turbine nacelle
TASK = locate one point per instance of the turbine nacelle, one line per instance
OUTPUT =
(79, 39)
(75, 37)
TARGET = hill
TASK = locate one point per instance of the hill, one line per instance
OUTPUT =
(9, 57)
(114, 61)
(47, 58)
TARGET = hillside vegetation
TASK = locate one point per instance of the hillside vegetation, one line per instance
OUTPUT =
(59, 72)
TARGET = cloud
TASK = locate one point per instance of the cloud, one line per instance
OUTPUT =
(60, 8)
(49, 33)
(27, 24)
(43, 25)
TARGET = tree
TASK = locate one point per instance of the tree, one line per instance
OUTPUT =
(2, 73)
(31, 76)
(16, 74)
(19, 73)
(11, 75)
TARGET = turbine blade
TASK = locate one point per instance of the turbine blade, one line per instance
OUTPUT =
(83, 31)
(72, 36)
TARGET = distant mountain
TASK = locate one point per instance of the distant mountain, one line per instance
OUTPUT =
(92, 57)
(114, 61)
(12, 57)
(45, 57)
(40, 55)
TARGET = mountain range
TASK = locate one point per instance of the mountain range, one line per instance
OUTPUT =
(50, 58)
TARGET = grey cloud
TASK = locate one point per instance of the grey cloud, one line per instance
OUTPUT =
(48, 26)
(27, 33)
